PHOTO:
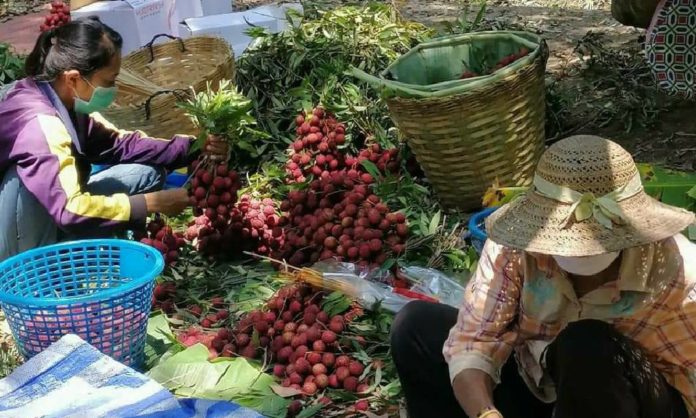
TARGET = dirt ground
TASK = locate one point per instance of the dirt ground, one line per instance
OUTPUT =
(598, 81)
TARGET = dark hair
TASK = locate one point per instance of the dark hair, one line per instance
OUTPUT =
(84, 44)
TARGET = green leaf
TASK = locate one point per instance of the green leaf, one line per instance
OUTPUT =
(372, 169)
(158, 341)
(310, 411)
(274, 406)
(336, 303)
(479, 16)
(434, 223)
(692, 193)
(692, 232)
(255, 338)
(670, 187)
(190, 374)
(388, 264)
(158, 328)
(285, 392)
(393, 389)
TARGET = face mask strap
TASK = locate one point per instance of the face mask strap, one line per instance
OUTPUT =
(87, 81)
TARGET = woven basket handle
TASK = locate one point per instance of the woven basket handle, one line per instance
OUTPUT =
(180, 94)
(544, 51)
(150, 44)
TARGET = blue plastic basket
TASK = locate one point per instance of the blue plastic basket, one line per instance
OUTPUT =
(175, 180)
(477, 228)
(96, 168)
(100, 290)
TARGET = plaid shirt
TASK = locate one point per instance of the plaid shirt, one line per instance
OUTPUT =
(520, 301)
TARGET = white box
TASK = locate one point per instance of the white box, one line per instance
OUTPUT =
(182, 10)
(280, 12)
(217, 7)
(230, 27)
(138, 21)
(119, 16)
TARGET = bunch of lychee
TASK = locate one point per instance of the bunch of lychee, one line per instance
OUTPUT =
(58, 16)
(213, 191)
(163, 297)
(219, 344)
(163, 238)
(213, 194)
(319, 135)
(338, 217)
(353, 226)
(306, 343)
(256, 226)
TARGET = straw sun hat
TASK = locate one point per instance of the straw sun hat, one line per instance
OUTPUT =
(587, 199)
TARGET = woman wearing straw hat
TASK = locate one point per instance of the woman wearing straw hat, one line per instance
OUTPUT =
(588, 281)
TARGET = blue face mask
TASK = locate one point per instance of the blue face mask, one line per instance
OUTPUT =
(102, 97)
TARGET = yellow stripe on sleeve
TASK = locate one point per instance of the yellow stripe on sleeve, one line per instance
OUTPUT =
(116, 207)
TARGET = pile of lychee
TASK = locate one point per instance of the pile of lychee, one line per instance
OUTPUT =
(338, 216)
(301, 341)
(305, 343)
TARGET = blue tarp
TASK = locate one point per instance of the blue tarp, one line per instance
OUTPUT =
(73, 379)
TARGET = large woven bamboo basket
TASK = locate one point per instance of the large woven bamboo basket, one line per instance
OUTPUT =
(466, 134)
(154, 78)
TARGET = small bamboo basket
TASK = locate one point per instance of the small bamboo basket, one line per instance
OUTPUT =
(467, 133)
(156, 77)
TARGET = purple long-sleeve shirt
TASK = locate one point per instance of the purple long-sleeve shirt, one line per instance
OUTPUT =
(53, 157)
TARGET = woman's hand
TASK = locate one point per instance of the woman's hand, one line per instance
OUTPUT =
(215, 148)
(167, 202)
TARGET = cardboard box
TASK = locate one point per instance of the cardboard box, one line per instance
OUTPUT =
(217, 7)
(230, 27)
(182, 10)
(119, 15)
(280, 13)
(138, 21)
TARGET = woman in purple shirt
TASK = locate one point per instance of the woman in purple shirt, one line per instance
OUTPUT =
(51, 134)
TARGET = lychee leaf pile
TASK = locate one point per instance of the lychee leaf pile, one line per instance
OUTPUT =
(306, 64)
(11, 64)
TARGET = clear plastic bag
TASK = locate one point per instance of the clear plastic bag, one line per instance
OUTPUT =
(361, 284)
(434, 283)
(368, 287)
